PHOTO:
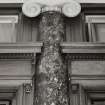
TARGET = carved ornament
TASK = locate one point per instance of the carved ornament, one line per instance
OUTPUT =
(33, 8)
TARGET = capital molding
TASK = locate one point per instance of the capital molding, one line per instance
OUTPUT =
(69, 8)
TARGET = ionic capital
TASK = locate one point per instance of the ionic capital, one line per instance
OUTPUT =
(69, 8)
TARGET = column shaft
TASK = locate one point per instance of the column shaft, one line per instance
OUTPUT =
(51, 75)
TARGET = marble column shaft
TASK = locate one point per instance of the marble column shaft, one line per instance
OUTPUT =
(51, 75)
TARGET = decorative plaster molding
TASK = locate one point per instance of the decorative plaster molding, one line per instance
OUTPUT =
(20, 47)
(50, 2)
(9, 19)
(95, 19)
(28, 87)
(51, 8)
(83, 47)
(69, 8)
(80, 1)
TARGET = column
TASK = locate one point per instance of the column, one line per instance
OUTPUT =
(51, 80)
(51, 84)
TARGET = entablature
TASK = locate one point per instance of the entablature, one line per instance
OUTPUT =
(75, 51)
(67, 48)
(19, 50)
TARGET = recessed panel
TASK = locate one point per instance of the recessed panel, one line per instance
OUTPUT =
(15, 67)
(8, 28)
(88, 67)
(95, 24)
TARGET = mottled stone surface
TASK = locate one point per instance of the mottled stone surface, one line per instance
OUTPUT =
(51, 80)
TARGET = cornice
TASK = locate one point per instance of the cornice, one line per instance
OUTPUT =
(75, 51)
(20, 48)
(73, 47)
(88, 77)
(21, 51)
(80, 1)
(83, 47)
